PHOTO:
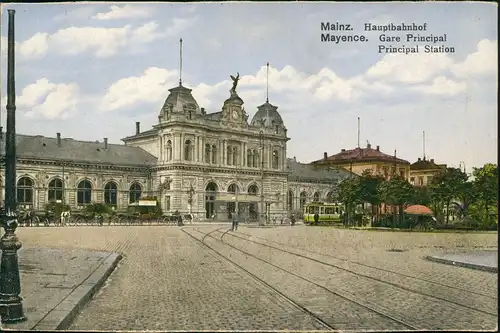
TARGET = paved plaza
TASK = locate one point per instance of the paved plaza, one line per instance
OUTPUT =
(300, 278)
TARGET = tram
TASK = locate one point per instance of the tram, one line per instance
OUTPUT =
(328, 212)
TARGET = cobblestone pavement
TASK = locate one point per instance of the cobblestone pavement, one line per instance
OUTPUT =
(169, 281)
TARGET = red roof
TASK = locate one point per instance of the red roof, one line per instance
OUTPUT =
(360, 154)
(418, 210)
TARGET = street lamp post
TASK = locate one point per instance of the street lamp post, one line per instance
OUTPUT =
(190, 192)
(261, 139)
(11, 305)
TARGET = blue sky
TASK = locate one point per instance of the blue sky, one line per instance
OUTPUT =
(91, 70)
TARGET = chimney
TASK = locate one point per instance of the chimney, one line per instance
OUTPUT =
(105, 143)
(325, 155)
(59, 139)
(137, 127)
(432, 160)
(343, 150)
(378, 148)
(394, 153)
(202, 110)
(368, 146)
(419, 159)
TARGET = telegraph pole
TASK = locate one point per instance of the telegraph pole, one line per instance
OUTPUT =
(262, 216)
(11, 305)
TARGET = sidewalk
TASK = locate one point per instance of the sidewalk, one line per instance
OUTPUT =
(480, 260)
(56, 283)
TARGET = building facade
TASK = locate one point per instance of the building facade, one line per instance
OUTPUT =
(423, 170)
(206, 164)
(367, 159)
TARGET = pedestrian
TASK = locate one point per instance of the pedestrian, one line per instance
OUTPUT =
(292, 219)
(316, 218)
(179, 220)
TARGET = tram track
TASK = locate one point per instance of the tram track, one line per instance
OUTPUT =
(378, 280)
(303, 309)
(375, 315)
(364, 265)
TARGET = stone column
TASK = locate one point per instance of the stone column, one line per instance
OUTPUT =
(224, 152)
(181, 146)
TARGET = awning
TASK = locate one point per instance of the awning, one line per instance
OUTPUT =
(240, 197)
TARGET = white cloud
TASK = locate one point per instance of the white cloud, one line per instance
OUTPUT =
(102, 42)
(482, 62)
(44, 99)
(152, 86)
(442, 86)
(411, 68)
(124, 12)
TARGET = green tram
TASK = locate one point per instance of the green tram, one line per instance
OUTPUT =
(328, 212)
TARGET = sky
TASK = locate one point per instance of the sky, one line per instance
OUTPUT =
(91, 70)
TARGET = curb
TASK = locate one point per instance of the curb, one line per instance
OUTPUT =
(463, 264)
(61, 317)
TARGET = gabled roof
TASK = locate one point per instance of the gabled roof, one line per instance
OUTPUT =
(45, 148)
(309, 172)
(424, 164)
(360, 155)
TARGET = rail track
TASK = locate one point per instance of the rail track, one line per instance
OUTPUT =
(341, 300)
(358, 264)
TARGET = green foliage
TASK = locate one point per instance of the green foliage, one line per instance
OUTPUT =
(98, 208)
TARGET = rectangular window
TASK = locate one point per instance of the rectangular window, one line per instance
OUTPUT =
(328, 210)
(167, 203)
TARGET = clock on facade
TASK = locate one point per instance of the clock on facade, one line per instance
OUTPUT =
(235, 114)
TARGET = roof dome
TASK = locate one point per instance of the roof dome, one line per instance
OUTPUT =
(267, 115)
(180, 100)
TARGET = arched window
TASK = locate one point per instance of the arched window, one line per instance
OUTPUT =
(290, 200)
(84, 192)
(275, 159)
(188, 148)
(25, 191)
(235, 156)
(316, 197)
(253, 190)
(110, 194)
(256, 158)
(207, 153)
(233, 188)
(303, 199)
(55, 190)
(135, 192)
(210, 200)
(169, 150)
(229, 155)
(214, 154)
(249, 158)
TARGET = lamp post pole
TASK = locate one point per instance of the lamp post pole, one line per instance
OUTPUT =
(261, 139)
(11, 305)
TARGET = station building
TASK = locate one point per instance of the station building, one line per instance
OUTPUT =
(205, 163)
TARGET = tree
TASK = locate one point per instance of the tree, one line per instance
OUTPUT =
(486, 184)
(369, 185)
(397, 192)
(447, 185)
(349, 193)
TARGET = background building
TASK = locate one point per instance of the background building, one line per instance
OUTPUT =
(423, 170)
(359, 160)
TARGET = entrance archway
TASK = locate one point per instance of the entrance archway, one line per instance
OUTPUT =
(231, 205)
(253, 208)
(210, 200)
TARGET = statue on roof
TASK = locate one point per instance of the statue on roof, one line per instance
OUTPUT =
(235, 83)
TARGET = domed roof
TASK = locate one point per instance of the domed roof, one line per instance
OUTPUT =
(267, 115)
(180, 99)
